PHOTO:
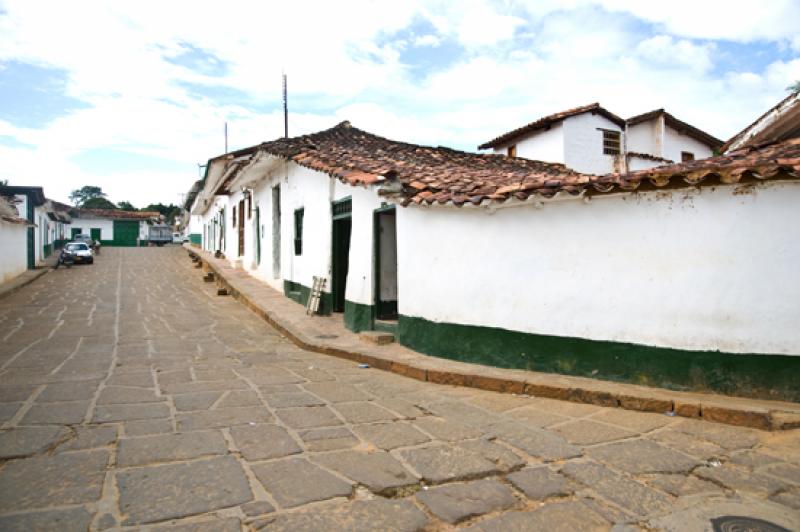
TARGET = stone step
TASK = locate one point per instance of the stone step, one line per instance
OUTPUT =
(376, 337)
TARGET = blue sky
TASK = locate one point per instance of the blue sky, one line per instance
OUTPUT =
(134, 97)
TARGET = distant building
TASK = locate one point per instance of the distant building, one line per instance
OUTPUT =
(592, 140)
(113, 227)
(13, 240)
(46, 221)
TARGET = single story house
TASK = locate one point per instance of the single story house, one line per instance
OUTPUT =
(113, 227)
(47, 221)
(679, 276)
(14, 240)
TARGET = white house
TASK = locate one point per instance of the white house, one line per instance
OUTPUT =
(113, 227)
(14, 240)
(679, 276)
(591, 139)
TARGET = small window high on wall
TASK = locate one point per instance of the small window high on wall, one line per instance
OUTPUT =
(687, 156)
(611, 142)
(512, 150)
(298, 231)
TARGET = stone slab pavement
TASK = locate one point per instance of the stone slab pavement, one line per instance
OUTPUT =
(133, 397)
(327, 334)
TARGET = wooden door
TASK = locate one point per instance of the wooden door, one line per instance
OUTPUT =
(241, 228)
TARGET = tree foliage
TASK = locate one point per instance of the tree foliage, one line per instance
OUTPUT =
(98, 203)
(80, 196)
(168, 211)
(794, 87)
(126, 206)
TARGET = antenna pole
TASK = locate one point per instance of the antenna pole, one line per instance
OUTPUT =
(226, 137)
(285, 110)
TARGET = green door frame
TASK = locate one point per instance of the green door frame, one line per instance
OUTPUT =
(95, 233)
(341, 231)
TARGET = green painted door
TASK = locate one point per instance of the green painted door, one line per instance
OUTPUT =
(125, 233)
(73, 232)
(95, 234)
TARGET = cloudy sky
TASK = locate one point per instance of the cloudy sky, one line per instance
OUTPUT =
(132, 95)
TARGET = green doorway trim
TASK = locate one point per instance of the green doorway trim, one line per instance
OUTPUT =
(341, 229)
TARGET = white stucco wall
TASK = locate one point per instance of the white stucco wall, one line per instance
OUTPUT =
(703, 270)
(644, 137)
(14, 243)
(675, 143)
(583, 143)
(314, 192)
(87, 224)
(544, 145)
(637, 163)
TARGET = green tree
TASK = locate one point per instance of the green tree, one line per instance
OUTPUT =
(80, 196)
(168, 211)
(794, 87)
(98, 203)
(125, 206)
(3, 182)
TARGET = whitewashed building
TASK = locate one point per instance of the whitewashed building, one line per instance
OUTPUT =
(13, 240)
(593, 140)
(113, 227)
(678, 276)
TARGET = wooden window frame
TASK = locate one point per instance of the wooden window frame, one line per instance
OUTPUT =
(511, 151)
(612, 142)
(687, 156)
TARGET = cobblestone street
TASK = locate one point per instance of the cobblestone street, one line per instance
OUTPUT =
(131, 394)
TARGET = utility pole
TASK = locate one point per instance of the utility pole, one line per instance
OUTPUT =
(226, 137)
(285, 110)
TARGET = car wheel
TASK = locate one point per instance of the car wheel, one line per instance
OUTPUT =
(90, 261)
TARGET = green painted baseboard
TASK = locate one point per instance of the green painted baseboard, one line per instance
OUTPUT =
(357, 316)
(747, 375)
(300, 293)
(195, 238)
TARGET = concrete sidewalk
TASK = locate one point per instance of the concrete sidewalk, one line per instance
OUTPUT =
(27, 277)
(327, 335)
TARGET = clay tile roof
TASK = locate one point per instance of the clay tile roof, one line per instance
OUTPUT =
(424, 174)
(678, 125)
(777, 160)
(778, 122)
(648, 157)
(547, 121)
(116, 214)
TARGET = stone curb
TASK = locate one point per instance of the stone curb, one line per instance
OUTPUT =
(8, 288)
(753, 413)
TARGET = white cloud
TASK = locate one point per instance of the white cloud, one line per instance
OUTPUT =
(521, 60)
(427, 40)
(665, 50)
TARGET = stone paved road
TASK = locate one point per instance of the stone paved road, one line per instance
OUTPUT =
(130, 395)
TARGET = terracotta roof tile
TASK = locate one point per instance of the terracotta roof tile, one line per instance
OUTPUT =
(115, 214)
(775, 160)
(678, 125)
(424, 175)
(547, 121)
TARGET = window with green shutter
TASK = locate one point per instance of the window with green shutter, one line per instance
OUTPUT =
(298, 231)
